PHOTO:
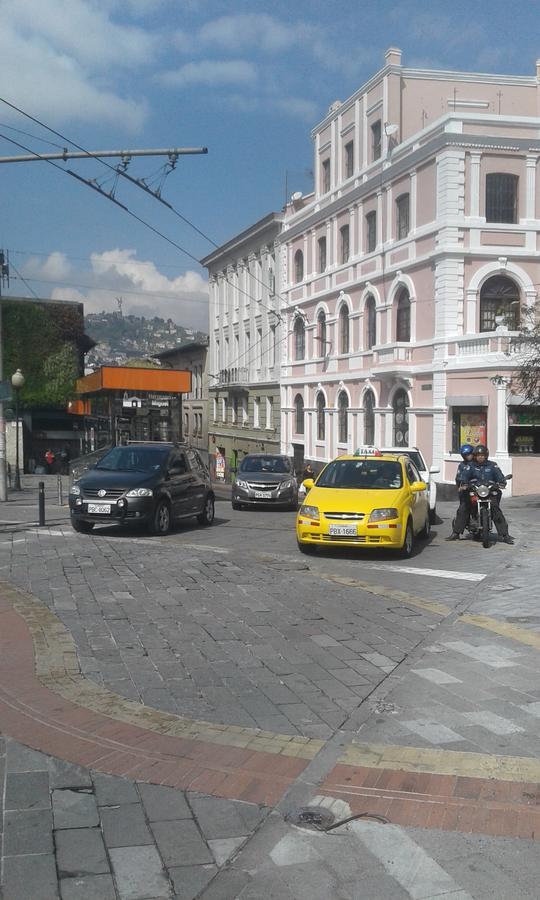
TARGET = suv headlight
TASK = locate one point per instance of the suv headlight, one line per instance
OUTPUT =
(140, 492)
(379, 515)
(242, 484)
(311, 512)
(75, 490)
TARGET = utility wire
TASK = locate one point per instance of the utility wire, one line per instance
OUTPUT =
(94, 287)
(23, 279)
(28, 134)
(119, 171)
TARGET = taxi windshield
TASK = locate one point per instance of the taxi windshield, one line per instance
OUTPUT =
(362, 474)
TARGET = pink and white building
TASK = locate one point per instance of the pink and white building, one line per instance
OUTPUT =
(405, 274)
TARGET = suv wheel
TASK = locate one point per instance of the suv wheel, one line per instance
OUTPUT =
(161, 521)
(207, 515)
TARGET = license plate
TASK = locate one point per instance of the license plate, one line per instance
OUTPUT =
(102, 509)
(262, 495)
(344, 530)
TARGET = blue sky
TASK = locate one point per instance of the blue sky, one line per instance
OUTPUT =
(247, 80)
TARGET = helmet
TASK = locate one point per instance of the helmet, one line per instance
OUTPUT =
(466, 450)
(481, 450)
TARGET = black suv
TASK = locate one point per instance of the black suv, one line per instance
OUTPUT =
(151, 483)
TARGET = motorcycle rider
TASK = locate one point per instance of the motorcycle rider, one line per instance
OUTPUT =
(484, 469)
(462, 476)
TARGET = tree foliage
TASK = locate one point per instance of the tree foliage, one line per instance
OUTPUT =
(526, 350)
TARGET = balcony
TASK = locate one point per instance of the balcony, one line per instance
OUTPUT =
(237, 375)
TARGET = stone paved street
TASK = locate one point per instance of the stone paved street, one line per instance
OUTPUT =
(168, 703)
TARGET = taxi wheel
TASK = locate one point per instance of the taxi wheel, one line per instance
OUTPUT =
(408, 544)
(309, 549)
(426, 530)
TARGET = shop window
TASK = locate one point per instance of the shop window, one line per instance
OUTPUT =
(400, 406)
(299, 414)
(524, 430)
(371, 324)
(502, 197)
(371, 231)
(299, 339)
(321, 429)
(403, 317)
(298, 266)
(469, 426)
(499, 304)
(369, 418)
(343, 417)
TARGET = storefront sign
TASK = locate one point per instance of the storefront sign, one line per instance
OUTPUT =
(473, 428)
(220, 465)
(527, 416)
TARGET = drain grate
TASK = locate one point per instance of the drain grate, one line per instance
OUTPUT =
(314, 817)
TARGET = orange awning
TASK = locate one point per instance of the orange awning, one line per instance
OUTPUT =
(124, 378)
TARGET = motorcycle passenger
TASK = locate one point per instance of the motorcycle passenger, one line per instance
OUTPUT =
(462, 477)
(484, 469)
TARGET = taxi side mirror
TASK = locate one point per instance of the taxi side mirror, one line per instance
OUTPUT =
(418, 486)
(308, 483)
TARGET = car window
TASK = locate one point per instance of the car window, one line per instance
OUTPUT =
(278, 465)
(362, 474)
(194, 460)
(178, 458)
(412, 473)
(133, 459)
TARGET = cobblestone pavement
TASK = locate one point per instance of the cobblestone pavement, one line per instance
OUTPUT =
(227, 665)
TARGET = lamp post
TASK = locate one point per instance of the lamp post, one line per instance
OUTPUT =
(17, 381)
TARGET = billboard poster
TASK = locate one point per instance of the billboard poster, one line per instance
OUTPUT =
(473, 428)
(220, 465)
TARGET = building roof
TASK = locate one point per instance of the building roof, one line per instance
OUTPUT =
(243, 237)
(182, 348)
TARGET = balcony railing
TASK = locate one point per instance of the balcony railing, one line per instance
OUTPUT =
(235, 375)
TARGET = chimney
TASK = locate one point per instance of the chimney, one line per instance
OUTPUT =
(393, 56)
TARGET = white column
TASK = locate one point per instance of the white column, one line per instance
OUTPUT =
(337, 152)
(360, 229)
(317, 165)
(379, 218)
(335, 251)
(412, 203)
(502, 385)
(357, 135)
(475, 184)
(364, 132)
(530, 212)
(329, 243)
(353, 210)
(389, 217)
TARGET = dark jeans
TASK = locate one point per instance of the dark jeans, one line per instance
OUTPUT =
(463, 513)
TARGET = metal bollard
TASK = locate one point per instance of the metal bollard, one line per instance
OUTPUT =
(41, 503)
(60, 490)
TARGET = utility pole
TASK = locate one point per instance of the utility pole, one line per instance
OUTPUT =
(125, 157)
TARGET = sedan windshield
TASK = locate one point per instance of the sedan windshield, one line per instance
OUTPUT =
(133, 459)
(361, 474)
(277, 465)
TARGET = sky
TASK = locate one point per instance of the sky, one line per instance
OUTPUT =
(245, 79)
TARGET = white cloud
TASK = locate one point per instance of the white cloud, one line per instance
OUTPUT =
(211, 73)
(61, 60)
(118, 273)
(298, 108)
(253, 30)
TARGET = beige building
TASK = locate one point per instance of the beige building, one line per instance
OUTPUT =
(192, 357)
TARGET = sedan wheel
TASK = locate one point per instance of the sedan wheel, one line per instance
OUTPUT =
(207, 515)
(161, 522)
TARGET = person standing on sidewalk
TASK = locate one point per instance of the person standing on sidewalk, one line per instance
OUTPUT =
(49, 459)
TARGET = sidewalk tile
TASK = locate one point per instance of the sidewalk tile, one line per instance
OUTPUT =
(74, 809)
(180, 843)
(139, 873)
(28, 790)
(125, 826)
(189, 881)
(80, 851)
(91, 887)
(28, 877)
(27, 831)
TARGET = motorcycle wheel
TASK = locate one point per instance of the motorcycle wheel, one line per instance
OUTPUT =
(484, 525)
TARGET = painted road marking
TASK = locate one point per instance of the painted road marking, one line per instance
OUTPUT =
(408, 863)
(442, 762)
(432, 573)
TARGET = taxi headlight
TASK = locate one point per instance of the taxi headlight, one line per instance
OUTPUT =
(379, 515)
(75, 490)
(139, 492)
(311, 512)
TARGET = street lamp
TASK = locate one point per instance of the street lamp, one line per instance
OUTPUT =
(17, 381)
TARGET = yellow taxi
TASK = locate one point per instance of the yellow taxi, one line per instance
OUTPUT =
(369, 499)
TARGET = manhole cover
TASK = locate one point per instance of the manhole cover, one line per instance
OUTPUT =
(315, 817)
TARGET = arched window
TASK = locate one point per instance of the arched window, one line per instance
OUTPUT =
(299, 414)
(403, 317)
(369, 419)
(298, 266)
(321, 333)
(321, 429)
(343, 329)
(400, 406)
(299, 338)
(371, 322)
(499, 297)
(343, 415)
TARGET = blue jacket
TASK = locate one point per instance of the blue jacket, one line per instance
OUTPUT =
(488, 472)
(462, 472)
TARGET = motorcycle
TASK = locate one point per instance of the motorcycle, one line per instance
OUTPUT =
(481, 518)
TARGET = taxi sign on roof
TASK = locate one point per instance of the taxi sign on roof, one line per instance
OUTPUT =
(367, 451)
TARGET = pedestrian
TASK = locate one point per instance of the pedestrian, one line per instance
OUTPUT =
(308, 472)
(49, 460)
(64, 460)
(462, 476)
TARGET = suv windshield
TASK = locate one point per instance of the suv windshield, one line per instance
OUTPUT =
(361, 474)
(278, 465)
(415, 458)
(134, 459)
